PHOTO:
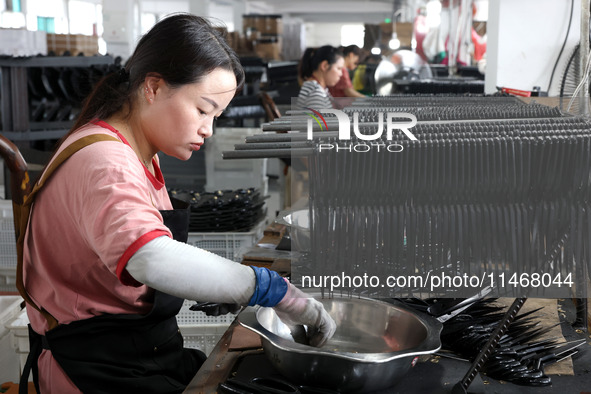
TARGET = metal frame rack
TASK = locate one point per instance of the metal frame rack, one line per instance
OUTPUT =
(458, 163)
(16, 123)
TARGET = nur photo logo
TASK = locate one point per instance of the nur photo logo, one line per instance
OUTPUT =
(388, 122)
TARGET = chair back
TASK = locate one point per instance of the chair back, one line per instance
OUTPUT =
(20, 183)
(271, 110)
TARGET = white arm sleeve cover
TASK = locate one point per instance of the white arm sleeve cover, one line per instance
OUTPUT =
(188, 272)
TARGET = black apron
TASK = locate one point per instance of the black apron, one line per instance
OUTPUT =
(126, 353)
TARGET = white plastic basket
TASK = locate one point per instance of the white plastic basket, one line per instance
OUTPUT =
(199, 330)
(227, 244)
(13, 358)
(8, 280)
(7, 236)
(187, 317)
(19, 333)
(203, 338)
(10, 307)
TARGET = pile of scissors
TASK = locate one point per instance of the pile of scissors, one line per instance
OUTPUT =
(270, 385)
(521, 354)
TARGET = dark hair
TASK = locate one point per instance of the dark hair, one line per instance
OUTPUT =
(354, 49)
(312, 58)
(181, 48)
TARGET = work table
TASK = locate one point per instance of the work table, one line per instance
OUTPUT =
(432, 374)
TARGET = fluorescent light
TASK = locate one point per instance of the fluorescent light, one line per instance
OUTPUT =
(394, 43)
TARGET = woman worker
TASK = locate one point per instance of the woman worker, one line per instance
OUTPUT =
(320, 68)
(344, 87)
(98, 258)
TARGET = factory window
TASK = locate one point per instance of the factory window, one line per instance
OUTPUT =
(13, 5)
(39, 12)
(352, 35)
(46, 24)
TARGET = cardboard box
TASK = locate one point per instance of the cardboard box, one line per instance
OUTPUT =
(264, 24)
(404, 33)
(253, 35)
(268, 49)
(387, 29)
(74, 43)
(270, 24)
(249, 22)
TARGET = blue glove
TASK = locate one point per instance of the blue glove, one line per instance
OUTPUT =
(270, 287)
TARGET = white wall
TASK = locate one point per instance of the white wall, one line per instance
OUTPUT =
(122, 18)
(224, 12)
(524, 40)
(163, 7)
(121, 26)
(318, 34)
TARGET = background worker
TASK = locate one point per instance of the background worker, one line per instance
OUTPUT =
(344, 87)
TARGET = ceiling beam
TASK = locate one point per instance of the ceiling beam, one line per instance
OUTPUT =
(337, 17)
(341, 6)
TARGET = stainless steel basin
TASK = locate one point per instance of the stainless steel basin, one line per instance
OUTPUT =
(373, 347)
(298, 223)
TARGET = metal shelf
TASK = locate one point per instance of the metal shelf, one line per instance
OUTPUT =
(14, 97)
(39, 135)
(56, 61)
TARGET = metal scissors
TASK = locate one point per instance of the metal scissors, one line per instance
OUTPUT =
(269, 386)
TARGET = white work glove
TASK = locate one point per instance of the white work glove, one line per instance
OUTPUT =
(296, 307)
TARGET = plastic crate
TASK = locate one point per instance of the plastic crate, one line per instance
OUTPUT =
(203, 338)
(10, 307)
(199, 330)
(8, 280)
(11, 361)
(20, 337)
(20, 332)
(187, 317)
(228, 244)
(7, 236)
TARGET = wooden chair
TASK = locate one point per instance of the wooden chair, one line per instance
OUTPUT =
(271, 110)
(20, 186)
(20, 183)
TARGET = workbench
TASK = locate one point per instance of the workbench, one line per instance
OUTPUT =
(432, 374)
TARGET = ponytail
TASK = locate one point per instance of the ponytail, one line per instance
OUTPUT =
(107, 97)
(306, 69)
(181, 48)
(312, 58)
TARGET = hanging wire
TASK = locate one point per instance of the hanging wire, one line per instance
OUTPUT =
(570, 19)
(582, 83)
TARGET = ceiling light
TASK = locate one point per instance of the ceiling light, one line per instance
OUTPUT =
(394, 43)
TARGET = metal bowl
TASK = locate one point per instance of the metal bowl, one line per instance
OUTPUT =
(298, 223)
(374, 345)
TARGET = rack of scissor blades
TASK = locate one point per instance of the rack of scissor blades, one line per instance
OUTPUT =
(493, 193)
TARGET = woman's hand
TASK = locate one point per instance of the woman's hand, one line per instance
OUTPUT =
(297, 307)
